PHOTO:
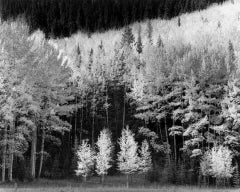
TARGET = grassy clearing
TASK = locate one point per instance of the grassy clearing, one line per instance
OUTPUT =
(115, 189)
(113, 184)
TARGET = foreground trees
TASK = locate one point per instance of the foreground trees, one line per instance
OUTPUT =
(86, 159)
(217, 162)
(128, 159)
(34, 94)
(104, 154)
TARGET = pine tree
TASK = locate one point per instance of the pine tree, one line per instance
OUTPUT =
(86, 158)
(139, 41)
(128, 160)
(145, 163)
(127, 37)
(103, 156)
(160, 42)
(149, 31)
(90, 61)
(231, 59)
(179, 22)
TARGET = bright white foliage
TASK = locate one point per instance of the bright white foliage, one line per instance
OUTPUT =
(128, 160)
(218, 163)
(86, 158)
(138, 88)
(205, 164)
(103, 157)
(145, 163)
(222, 162)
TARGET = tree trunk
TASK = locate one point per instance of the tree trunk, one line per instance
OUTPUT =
(42, 153)
(33, 153)
(175, 149)
(75, 122)
(107, 106)
(11, 151)
(102, 179)
(127, 180)
(81, 129)
(124, 107)
(4, 155)
(85, 179)
(93, 116)
(93, 125)
(166, 132)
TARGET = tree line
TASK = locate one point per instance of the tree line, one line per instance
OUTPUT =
(60, 18)
(181, 98)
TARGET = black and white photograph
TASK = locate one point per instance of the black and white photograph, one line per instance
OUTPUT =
(119, 95)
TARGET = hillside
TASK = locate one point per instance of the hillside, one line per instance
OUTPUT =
(61, 18)
(196, 28)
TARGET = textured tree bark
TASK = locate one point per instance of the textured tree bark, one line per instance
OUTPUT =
(41, 154)
(33, 153)
(4, 155)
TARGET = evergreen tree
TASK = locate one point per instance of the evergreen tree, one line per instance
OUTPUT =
(145, 163)
(149, 31)
(127, 37)
(139, 41)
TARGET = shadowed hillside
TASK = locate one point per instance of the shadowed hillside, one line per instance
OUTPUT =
(61, 18)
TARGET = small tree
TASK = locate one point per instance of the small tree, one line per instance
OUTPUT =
(128, 160)
(127, 37)
(221, 164)
(217, 162)
(149, 31)
(145, 163)
(139, 41)
(103, 157)
(179, 22)
(160, 42)
(86, 158)
(205, 165)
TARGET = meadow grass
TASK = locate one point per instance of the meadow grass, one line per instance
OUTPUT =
(112, 184)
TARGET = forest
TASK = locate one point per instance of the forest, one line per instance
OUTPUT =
(61, 18)
(168, 106)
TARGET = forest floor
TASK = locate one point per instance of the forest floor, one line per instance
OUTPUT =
(112, 184)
